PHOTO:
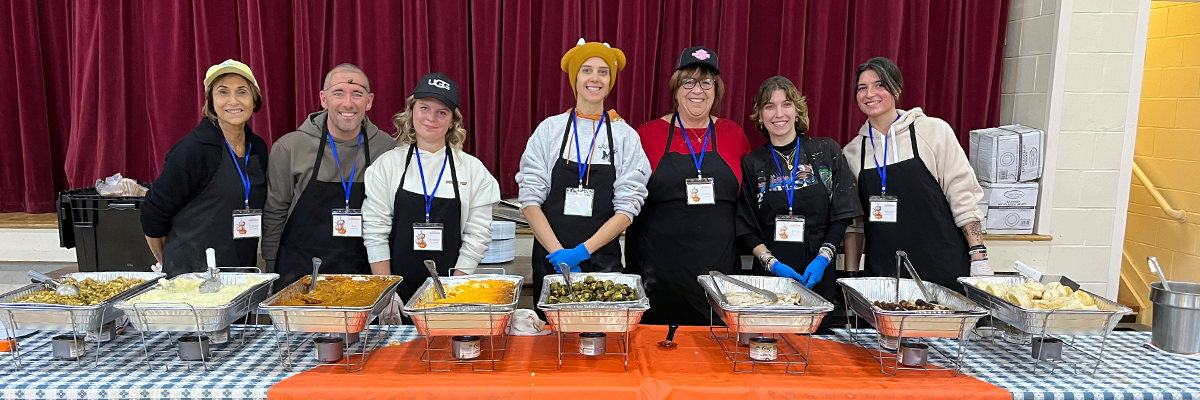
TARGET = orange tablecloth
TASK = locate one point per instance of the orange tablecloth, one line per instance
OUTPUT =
(696, 369)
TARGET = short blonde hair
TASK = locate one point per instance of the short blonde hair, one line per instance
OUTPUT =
(407, 133)
(792, 94)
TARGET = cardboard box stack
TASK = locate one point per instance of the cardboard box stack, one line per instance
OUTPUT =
(1008, 163)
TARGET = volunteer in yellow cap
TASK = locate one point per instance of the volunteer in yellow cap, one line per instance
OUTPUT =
(579, 188)
(213, 184)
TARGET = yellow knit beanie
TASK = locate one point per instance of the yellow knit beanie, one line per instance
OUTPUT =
(573, 60)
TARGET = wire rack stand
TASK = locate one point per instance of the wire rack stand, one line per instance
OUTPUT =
(889, 361)
(614, 320)
(792, 358)
(1078, 360)
(292, 342)
(439, 341)
(90, 338)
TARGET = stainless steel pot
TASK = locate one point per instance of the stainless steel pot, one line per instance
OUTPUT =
(1176, 317)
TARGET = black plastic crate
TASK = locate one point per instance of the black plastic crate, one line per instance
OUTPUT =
(106, 231)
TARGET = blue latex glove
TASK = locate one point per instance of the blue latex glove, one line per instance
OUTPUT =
(782, 270)
(815, 271)
(571, 257)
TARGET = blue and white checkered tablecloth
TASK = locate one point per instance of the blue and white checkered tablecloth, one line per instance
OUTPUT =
(123, 373)
(1129, 371)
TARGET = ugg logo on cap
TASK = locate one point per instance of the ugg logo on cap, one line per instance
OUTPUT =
(700, 54)
(439, 83)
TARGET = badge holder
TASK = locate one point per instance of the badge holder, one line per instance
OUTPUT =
(347, 222)
(427, 236)
(789, 228)
(700, 191)
(247, 223)
(883, 209)
(578, 202)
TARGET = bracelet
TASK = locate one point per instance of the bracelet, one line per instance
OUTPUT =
(763, 256)
(768, 262)
(981, 259)
(978, 247)
(977, 251)
(827, 250)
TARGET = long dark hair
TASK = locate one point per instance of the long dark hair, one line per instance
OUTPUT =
(889, 75)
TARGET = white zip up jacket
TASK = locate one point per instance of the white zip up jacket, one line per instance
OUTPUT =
(478, 191)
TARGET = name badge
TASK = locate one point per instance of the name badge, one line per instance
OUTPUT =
(427, 237)
(347, 222)
(789, 228)
(700, 191)
(579, 202)
(247, 223)
(883, 209)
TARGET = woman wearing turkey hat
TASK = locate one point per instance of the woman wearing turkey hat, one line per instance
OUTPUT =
(798, 194)
(213, 184)
(686, 225)
(427, 199)
(583, 174)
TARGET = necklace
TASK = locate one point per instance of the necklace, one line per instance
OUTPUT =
(786, 158)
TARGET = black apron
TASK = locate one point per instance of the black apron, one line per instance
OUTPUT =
(309, 227)
(812, 202)
(671, 243)
(924, 226)
(207, 220)
(572, 230)
(409, 209)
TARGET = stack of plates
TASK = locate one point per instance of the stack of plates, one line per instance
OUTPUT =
(504, 243)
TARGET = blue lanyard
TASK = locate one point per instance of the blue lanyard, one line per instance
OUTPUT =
(245, 178)
(882, 170)
(424, 191)
(583, 165)
(790, 184)
(346, 185)
(699, 161)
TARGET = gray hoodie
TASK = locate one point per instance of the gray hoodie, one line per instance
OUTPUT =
(290, 168)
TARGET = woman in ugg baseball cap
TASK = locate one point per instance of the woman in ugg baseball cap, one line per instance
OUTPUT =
(427, 200)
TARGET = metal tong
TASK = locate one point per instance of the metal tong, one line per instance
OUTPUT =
(566, 273)
(902, 256)
(764, 293)
(437, 282)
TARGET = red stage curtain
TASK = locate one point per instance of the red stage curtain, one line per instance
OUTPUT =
(101, 87)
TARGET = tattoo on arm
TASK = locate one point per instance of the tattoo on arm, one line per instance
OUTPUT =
(974, 230)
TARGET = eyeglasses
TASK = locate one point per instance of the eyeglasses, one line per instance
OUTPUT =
(706, 83)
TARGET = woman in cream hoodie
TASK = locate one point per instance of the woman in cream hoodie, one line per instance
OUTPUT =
(917, 189)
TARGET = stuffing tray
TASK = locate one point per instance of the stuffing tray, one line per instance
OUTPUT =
(57, 317)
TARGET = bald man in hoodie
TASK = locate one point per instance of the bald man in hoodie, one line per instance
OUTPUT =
(315, 190)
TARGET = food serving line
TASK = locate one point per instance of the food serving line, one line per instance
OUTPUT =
(595, 316)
